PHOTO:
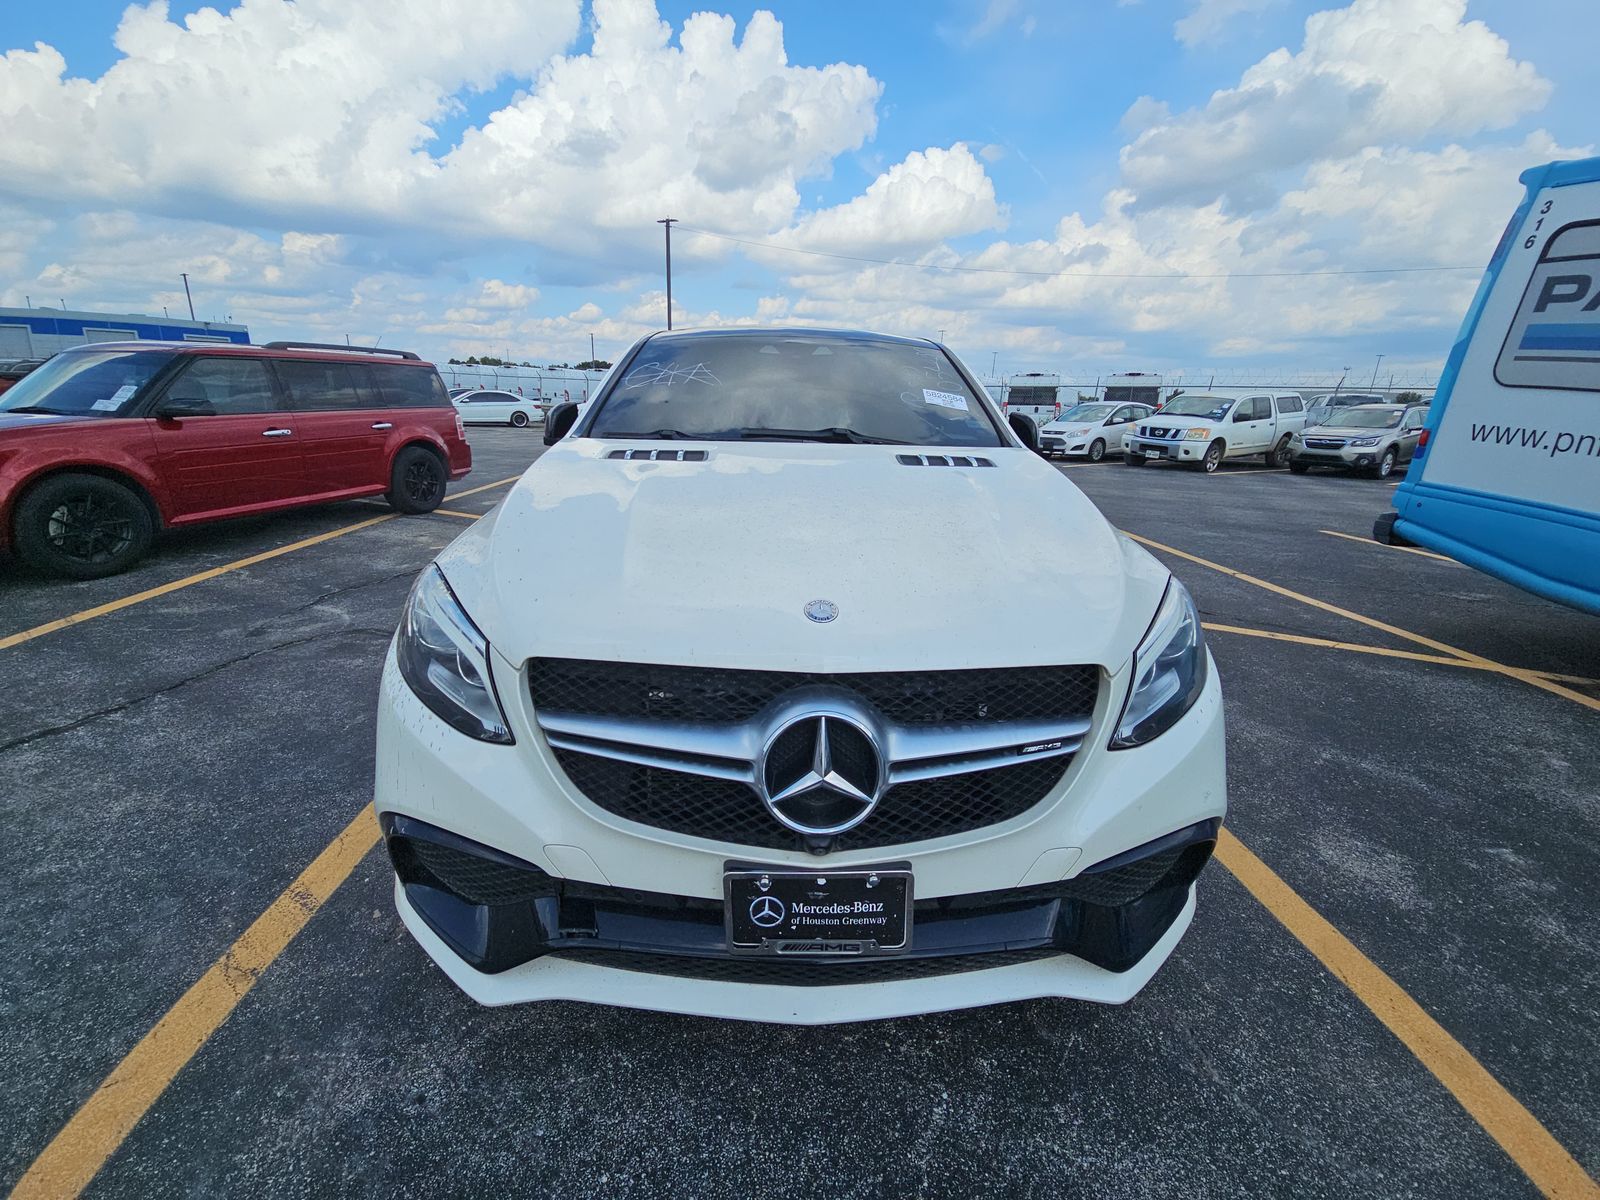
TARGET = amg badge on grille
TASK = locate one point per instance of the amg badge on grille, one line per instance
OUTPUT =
(821, 611)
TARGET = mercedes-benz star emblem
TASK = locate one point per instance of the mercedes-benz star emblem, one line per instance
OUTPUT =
(822, 773)
(821, 611)
(766, 912)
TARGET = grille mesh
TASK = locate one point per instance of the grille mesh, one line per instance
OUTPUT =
(725, 811)
(677, 693)
(808, 973)
(473, 878)
(1121, 885)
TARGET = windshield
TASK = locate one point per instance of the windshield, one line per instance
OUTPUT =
(793, 387)
(85, 383)
(1366, 418)
(1212, 407)
(1088, 412)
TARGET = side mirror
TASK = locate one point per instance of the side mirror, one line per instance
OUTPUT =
(175, 408)
(560, 422)
(1022, 425)
(1242, 415)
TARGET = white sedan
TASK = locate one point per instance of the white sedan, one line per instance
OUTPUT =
(485, 407)
(1089, 430)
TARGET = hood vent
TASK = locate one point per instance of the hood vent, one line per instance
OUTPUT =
(660, 455)
(941, 460)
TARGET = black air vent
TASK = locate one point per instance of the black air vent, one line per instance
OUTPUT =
(941, 460)
(660, 455)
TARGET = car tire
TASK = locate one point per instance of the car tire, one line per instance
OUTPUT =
(416, 481)
(519, 419)
(1132, 458)
(1298, 468)
(1097, 450)
(1385, 467)
(1213, 458)
(82, 526)
(1278, 456)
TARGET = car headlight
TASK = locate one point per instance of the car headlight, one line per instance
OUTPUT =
(445, 659)
(1169, 671)
(1195, 435)
(1372, 441)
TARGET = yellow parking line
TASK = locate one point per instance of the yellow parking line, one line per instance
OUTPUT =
(1411, 655)
(92, 1135)
(1545, 1161)
(100, 610)
(482, 488)
(1534, 678)
(450, 512)
(76, 1154)
(1350, 537)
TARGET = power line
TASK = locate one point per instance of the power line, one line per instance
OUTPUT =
(893, 262)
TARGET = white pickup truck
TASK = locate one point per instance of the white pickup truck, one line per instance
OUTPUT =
(1201, 429)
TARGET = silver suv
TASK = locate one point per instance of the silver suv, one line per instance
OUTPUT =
(1373, 438)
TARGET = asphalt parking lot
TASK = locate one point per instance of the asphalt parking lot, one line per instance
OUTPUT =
(1390, 987)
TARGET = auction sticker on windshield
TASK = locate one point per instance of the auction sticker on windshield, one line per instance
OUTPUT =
(945, 399)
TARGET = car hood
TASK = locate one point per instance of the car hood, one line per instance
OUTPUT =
(712, 563)
(12, 421)
(1352, 431)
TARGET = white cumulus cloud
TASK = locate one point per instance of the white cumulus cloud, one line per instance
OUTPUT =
(1378, 71)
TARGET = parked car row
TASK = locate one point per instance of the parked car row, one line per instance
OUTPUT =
(1354, 430)
(106, 444)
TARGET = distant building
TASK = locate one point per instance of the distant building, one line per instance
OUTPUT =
(40, 332)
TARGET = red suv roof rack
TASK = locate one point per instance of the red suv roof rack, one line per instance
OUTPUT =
(341, 349)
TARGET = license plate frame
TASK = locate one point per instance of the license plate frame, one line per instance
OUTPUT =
(835, 926)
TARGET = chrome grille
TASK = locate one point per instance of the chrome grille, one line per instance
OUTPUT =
(1323, 443)
(691, 749)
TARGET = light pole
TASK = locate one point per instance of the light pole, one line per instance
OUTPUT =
(591, 352)
(941, 337)
(669, 222)
(1375, 367)
(186, 294)
(994, 358)
(1340, 384)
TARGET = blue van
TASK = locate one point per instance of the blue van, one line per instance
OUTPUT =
(1507, 478)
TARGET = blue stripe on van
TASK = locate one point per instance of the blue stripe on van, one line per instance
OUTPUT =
(1561, 337)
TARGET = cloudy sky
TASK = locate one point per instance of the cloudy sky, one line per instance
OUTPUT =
(477, 176)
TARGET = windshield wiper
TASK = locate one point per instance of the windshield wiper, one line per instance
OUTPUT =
(832, 433)
(39, 408)
(664, 435)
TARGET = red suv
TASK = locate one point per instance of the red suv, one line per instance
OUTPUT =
(104, 444)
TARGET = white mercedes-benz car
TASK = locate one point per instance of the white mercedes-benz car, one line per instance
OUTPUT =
(720, 711)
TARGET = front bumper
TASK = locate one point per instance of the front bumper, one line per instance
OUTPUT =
(616, 888)
(1175, 450)
(1349, 457)
(555, 977)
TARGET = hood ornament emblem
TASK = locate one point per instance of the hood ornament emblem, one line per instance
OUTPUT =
(821, 611)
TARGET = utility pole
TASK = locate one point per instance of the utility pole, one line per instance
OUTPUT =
(591, 352)
(186, 294)
(941, 337)
(669, 222)
(994, 358)
(1375, 367)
